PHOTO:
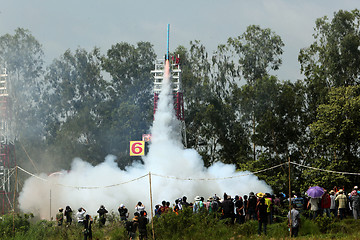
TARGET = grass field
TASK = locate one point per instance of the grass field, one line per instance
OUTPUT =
(186, 225)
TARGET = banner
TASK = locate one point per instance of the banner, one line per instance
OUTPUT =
(137, 148)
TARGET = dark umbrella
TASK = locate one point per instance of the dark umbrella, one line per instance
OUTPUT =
(315, 192)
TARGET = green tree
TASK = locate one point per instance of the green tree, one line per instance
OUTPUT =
(75, 92)
(127, 114)
(22, 55)
(256, 52)
(337, 134)
(333, 59)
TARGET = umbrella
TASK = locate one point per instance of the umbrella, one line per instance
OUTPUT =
(315, 192)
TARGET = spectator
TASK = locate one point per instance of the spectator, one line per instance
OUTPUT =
(251, 206)
(131, 226)
(341, 200)
(355, 204)
(139, 207)
(239, 210)
(294, 220)
(68, 215)
(102, 215)
(228, 209)
(261, 208)
(314, 207)
(198, 204)
(123, 211)
(60, 217)
(80, 215)
(326, 204)
(143, 221)
(157, 211)
(87, 227)
(333, 208)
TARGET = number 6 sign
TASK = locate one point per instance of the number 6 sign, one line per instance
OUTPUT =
(137, 148)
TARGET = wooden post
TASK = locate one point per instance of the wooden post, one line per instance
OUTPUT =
(290, 219)
(151, 206)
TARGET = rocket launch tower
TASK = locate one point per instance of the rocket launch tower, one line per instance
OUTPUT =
(7, 148)
(175, 79)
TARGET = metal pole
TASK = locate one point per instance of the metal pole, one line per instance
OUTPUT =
(50, 204)
(290, 218)
(14, 199)
(151, 205)
(15, 189)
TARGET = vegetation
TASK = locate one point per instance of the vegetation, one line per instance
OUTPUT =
(186, 225)
(88, 104)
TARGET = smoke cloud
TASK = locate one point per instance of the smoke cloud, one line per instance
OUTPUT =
(90, 186)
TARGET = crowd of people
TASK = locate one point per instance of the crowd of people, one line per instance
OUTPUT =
(262, 207)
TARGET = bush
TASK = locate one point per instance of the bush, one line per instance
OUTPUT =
(323, 223)
(12, 223)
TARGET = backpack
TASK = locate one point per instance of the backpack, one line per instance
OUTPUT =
(214, 206)
(356, 201)
(129, 226)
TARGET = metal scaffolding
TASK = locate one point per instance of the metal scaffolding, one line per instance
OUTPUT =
(7, 148)
(175, 74)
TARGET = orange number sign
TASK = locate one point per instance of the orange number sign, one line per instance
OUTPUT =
(137, 148)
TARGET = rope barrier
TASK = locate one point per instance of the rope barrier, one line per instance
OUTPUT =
(325, 170)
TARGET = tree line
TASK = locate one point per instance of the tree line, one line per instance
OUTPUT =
(87, 104)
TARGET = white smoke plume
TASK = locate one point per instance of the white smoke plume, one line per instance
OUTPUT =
(107, 183)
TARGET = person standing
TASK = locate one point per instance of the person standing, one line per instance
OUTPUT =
(68, 215)
(333, 209)
(124, 213)
(251, 206)
(326, 204)
(294, 220)
(228, 209)
(80, 215)
(342, 200)
(239, 210)
(314, 206)
(102, 215)
(261, 208)
(198, 204)
(60, 217)
(131, 226)
(355, 204)
(143, 221)
(139, 207)
(87, 227)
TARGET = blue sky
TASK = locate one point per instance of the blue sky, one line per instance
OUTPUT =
(62, 25)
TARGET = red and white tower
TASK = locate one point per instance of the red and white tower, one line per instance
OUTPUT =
(175, 79)
(7, 148)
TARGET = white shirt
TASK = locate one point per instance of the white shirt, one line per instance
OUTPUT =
(80, 216)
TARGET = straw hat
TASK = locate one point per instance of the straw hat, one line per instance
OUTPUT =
(197, 198)
(260, 194)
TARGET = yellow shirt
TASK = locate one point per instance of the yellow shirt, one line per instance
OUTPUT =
(342, 200)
